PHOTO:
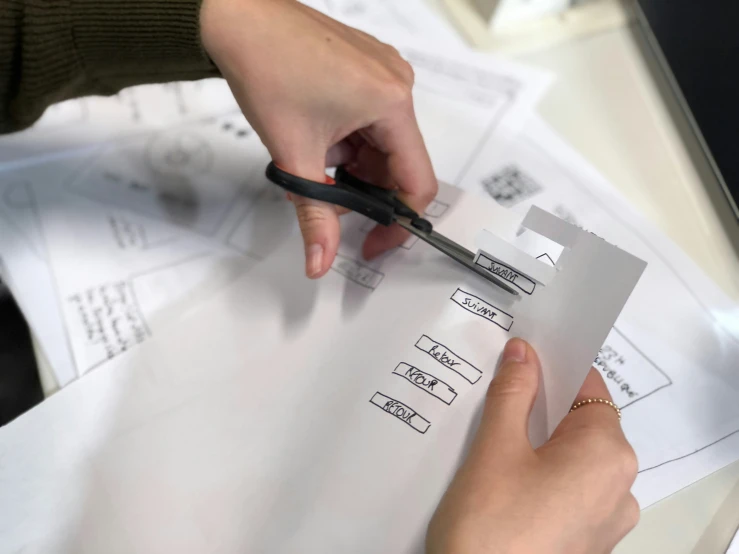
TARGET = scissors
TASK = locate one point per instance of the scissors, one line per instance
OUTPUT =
(381, 206)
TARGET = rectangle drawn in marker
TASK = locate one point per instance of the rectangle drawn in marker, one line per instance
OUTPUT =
(506, 273)
(449, 359)
(409, 243)
(436, 209)
(402, 412)
(357, 273)
(485, 310)
(426, 382)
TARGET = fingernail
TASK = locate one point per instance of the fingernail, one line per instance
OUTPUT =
(514, 351)
(313, 260)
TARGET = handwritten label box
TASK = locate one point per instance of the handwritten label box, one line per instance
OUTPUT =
(449, 359)
(628, 373)
(426, 382)
(485, 310)
(357, 272)
(436, 209)
(506, 273)
(402, 412)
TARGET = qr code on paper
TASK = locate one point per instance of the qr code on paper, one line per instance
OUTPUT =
(510, 185)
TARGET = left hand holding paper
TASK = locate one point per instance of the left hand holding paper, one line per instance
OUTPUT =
(571, 495)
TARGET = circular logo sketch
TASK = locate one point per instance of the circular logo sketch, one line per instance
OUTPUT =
(185, 155)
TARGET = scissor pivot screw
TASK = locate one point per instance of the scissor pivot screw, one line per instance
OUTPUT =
(422, 225)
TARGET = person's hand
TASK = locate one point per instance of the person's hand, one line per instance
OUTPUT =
(571, 495)
(320, 93)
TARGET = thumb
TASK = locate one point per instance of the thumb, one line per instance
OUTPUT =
(319, 225)
(319, 221)
(510, 398)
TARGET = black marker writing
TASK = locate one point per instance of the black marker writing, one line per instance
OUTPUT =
(449, 359)
(478, 306)
(505, 272)
(402, 412)
(426, 382)
(357, 272)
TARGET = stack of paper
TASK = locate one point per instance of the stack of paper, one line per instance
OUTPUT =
(205, 379)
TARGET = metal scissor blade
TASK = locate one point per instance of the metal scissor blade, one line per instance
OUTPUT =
(455, 251)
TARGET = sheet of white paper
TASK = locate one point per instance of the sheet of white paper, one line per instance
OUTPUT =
(88, 121)
(287, 404)
(670, 361)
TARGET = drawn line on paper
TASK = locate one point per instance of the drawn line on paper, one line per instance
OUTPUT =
(448, 359)
(182, 155)
(506, 273)
(585, 189)
(485, 310)
(437, 208)
(547, 257)
(400, 411)
(11, 188)
(30, 205)
(690, 453)
(426, 382)
(57, 289)
(181, 207)
(132, 234)
(357, 273)
(248, 211)
(651, 363)
(510, 98)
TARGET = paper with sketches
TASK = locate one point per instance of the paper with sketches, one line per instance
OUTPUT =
(101, 256)
(206, 178)
(670, 361)
(88, 276)
(337, 409)
(88, 121)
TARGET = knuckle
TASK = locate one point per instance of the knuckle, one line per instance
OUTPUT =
(628, 465)
(406, 70)
(430, 192)
(632, 513)
(622, 463)
(310, 216)
(397, 92)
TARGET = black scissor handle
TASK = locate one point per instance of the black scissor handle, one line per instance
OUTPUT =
(349, 192)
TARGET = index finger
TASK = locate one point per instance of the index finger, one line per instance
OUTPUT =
(409, 168)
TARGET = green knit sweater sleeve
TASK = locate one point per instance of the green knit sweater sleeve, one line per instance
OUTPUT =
(53, 50)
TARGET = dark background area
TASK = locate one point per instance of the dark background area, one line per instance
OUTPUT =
(700, 42)
(20, 388)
